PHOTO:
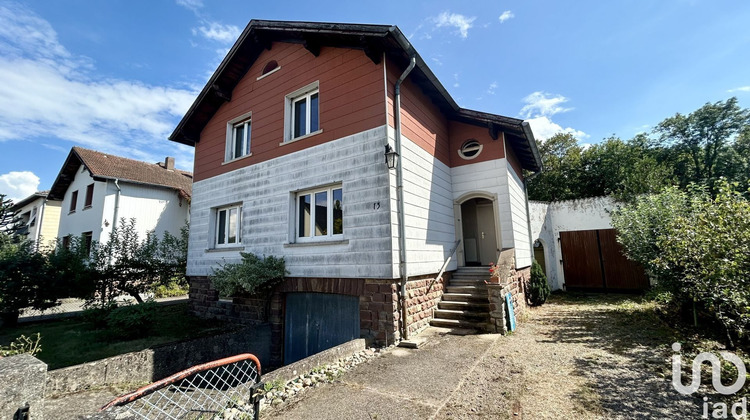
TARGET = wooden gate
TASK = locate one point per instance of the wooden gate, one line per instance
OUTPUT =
(318, 321)
(593, 260)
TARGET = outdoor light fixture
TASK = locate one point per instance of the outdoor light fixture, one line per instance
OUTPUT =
(390, 156)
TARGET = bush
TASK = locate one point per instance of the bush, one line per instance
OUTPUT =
(251, 276)
(96, 314)
(23, 345)
(697, 247)
(132, 321)
(538, 289)
(171, 289)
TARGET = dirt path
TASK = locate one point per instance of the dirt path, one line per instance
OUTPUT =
(594, 356)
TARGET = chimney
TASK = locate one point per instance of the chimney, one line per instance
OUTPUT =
(169, 163)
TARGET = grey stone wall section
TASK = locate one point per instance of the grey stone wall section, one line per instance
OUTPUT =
(309, 363)
(23, 378)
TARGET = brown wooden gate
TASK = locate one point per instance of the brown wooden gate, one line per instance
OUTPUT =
(593, 260)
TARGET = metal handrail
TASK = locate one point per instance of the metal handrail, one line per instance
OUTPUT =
(445, 264)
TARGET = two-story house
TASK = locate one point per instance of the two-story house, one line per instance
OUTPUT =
(97, 190)
(39, 219)
(336, 147)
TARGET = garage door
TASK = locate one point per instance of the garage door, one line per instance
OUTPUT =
(593, 260)
(318, 321)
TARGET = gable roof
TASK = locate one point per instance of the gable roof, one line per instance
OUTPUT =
(104, 166)
(374, 40)
(29, 199)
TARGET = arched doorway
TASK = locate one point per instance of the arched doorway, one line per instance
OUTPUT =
(539, 255)
(479, 232)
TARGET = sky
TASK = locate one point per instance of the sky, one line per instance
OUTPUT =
(117, 76)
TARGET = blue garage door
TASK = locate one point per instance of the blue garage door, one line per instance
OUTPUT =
(318, 321)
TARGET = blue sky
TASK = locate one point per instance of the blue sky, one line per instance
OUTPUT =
(117, 76)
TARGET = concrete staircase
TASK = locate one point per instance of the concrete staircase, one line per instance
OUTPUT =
(464, 304)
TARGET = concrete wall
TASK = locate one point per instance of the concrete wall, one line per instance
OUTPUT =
(549, 219)
(23, 378)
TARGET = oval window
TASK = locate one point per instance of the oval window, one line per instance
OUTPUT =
(270, 66)
(470, 149)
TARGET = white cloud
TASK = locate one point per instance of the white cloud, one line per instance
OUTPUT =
(506, 15)
(541, 103)
(48, 93)
(460, 22)
(18, 185)
(218, 32)
(740, 89)
(544, 128)
(491, 89)
(193, 5)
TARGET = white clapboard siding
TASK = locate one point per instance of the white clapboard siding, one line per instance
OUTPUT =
(428, 208)
(266, 191)
(519, 216)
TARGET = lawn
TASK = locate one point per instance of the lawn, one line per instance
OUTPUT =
(72, 341)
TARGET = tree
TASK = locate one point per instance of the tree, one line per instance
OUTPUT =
(699, 142)
(561, 157)
(9, 221)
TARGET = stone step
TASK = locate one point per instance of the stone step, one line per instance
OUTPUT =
(471, 278)
(464, 297)
(465, 306)
(475, 290)
(462, 315)
(466, 282)
(456, 323)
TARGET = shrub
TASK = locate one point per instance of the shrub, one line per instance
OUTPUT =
(97, 313)
(251, 276)
(131, 321)
(538, 289)
(23, 345)
(24, 279)
(171, 289)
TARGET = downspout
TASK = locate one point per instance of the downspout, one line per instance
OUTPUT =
(400, 194)
(117, 206)
(39, 219)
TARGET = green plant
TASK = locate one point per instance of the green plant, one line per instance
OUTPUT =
(253, 275)
(538, 289)
(171, 289)
(131, 321)
(23, 345)
(96, 313)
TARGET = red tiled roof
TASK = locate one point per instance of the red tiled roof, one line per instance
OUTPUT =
(106, 166)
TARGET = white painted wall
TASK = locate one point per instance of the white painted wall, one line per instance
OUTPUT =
(519, 218)
(155, 208)
(549, 219)
(428, 207)
(266, 192)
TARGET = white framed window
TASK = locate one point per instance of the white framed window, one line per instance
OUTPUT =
(319, 214)
(228, 226)
(238, 137)
(302, 112)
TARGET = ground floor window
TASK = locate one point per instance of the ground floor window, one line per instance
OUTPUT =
(320, 213)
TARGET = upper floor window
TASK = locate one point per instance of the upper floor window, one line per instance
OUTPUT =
(302, 114)
(270, 67)
(73, 201)
(89, 196)
(238, 137)
(470, 149)
(229, 226)
(320, 213)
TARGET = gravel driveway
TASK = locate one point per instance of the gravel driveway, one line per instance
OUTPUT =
(578, 356)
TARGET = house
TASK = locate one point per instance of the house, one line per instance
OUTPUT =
(39, 218)
(97, 190)
(295, 136)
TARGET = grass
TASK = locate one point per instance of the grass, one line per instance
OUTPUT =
(72, 341)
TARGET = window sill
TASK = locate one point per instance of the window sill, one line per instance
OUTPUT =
(314, 133)
(71, 212)
(236, 159)
(87, 207)
(269, 73)
(316, 243)
(226, 249)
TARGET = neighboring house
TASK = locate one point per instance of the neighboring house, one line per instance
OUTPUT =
(576, 246)
(98, 190)
(39, 219)
(290, 135)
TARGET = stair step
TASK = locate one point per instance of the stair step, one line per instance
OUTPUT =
(464, 297)
(466, 282)
(455, 323)
(477, 290)
(464, 306)
(462, 315)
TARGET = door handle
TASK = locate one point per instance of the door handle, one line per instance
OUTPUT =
(482, 235)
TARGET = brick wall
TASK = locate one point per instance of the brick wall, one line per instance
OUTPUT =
(379, 306)
(516, 286)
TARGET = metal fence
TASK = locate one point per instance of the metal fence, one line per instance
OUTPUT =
(207, 391)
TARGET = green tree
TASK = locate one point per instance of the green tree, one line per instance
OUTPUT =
(9, 221)
(561, 157)
(699, 143)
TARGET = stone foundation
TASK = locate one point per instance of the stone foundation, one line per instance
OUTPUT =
(379, 305)
(516, 286)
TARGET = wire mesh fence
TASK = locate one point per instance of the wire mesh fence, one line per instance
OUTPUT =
(214, 390)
